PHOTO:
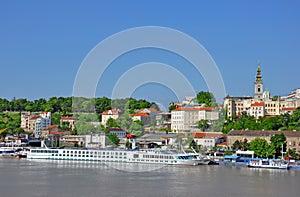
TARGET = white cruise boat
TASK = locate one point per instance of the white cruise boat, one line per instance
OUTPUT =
(268, 163)
(149, 156)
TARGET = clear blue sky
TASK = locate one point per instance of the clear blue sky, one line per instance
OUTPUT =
(42, 43)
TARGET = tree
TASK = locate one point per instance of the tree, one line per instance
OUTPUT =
(65, 126)
(206, 98)
(203, 124)
(245, 145)
(261, 148)
(278, 141)
(112, 123)
(128, 145)
(55, 118)
(114, 140)
(172, 106)
(236, 145)
(136, 128)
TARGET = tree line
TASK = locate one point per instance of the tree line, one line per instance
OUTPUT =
(285, 121)
(67, 105)
(263, 149)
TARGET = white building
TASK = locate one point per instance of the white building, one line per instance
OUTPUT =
(186, 119)
(208, 140)
(257, 109)
(121, 133)
(111, 113)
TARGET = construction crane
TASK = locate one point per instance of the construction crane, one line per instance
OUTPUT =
(2, 130)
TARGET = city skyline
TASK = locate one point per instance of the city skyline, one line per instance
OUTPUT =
(43, 44)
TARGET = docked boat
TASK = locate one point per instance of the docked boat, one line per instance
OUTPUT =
(147, 156)
(294, 164)
(22, 153)
(7, 151)
(268, 163)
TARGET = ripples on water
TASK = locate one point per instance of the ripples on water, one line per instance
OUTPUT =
(78, 178)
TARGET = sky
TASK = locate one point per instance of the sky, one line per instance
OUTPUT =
(44, 43)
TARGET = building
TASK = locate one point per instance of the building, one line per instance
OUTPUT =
(88, 141)
(143, 117)
(186, 118)
(31, 122)
(261, 103)
(257, 109)
(208, 140)
(258, 84)
(292, 137)
(121, 133)
(70, 120)
(151, 111)
(111, 113)
(287, 110)
(163, 119)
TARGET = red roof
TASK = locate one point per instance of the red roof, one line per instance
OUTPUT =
(222, 144)
(288, 109)
(116, 129)
(207, 135)
(34, 117)
(194, 109)
(129, 135)
(141, 114)
(198, 135)
(111, 112)
(67, 118)
(258, 104)
(60, 132)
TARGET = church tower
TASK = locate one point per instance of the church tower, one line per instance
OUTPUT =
(258, 84)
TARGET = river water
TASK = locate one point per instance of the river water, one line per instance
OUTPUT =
(70, 178)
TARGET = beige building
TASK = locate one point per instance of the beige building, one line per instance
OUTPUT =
(270, 107)
(186, 119)
(292, 137)
(70, 120)
(35, 123)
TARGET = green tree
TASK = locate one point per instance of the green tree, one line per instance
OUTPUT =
(114, 140)
(65, 126)
(136, 128)
(128, 145)
(55, 118)
(112, 123)
(102, 104)
(172, 107)
(206, 98)
(261, 148)
(236, 145)
(278, 141)
(203, 124)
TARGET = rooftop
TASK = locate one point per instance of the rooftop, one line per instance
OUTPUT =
(263, 133)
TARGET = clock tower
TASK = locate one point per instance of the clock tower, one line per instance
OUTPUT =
(258, 84)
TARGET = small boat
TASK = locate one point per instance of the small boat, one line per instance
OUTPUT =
(268, 164)
(22, 153)
(294, 164)
(7, 151)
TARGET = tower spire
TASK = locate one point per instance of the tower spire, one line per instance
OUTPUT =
(258, 74)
